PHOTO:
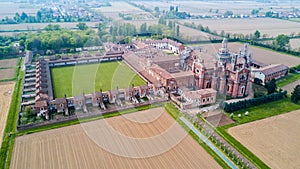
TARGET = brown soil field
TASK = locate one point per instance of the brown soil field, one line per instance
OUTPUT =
(6, 90)
(274, 140)
(8, 63)
(7, 73)
(269, 26)
(259, 54)
(146, 139)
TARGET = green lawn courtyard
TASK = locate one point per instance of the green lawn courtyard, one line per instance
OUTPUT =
(74, 80)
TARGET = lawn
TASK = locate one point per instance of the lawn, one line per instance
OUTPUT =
(74, 80)
(265, 110)
(290, 78)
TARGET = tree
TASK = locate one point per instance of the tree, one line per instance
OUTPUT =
(170, 24)
(271, 86)
(28, 111)
(296, 94)
(177, 30)
(254, 11)
(82, 26)
(282, 41)
(162, 21)
(257, 34)
(143, 28)
(156, 9)
(171, 8)
(228, 13)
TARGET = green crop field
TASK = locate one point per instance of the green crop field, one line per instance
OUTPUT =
(74, 80)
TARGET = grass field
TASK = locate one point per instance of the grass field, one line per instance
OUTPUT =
(266, 56)
(74, 80)
(151, 135)
(290, 78)
(265, 110)
(274, 140)
(269, 26)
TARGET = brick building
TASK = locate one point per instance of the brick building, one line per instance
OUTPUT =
(267, 73)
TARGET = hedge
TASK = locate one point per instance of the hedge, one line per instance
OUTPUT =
(231, 107)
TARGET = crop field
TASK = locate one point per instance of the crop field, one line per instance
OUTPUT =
(7, 73)
(74, 80)
(274, 140)
(8, 63)
(269, 26)
(295, 44)
(6, 90)
(119, 7)
(204, 7)
(263, 55)
(146, 139)
(36, 26)
(9, 9)
(138, 23)
(193, 34)
(7, 68)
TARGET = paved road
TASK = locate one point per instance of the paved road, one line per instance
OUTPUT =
(207, 142)
(290, 87)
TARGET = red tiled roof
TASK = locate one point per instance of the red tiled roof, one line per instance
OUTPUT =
(41, 103)
(268, 70)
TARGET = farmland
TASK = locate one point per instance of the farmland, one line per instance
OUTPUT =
(269, 26)
(192, 34)
(7, 68)
(157, 142)
(36, 26)
(73, 80)
(263, 55)
(6, 90)
(9, 9)
(124, 8)
(295, 44)
(273, 140)
(218, 7)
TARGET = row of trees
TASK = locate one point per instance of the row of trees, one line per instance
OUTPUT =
(232, 107)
